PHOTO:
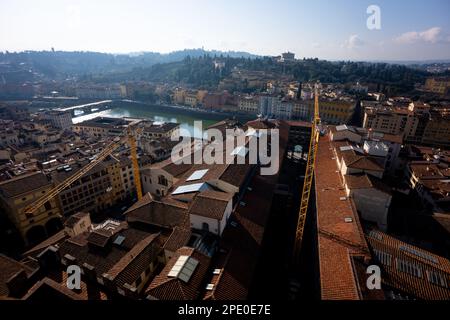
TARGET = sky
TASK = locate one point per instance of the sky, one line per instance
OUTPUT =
(335, 30)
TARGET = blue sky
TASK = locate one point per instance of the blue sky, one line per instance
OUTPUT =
(334, 29)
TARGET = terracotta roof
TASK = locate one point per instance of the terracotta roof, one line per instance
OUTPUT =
(178, 238)
(338, 240)
(364, 163)
(261, 124)
(134, 262)
(240, 246)
(48, 289)
(365, 181)
(8, 268)
(409, 269)
(99, 238)
(164, 287)
(24, 184)
(87, 291)
(175, 169)
(56, 238)
(102, 260)
(299, 124)
(156, 213)
(235, 174)
(211, 204)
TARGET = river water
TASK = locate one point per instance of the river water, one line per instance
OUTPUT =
(184, 117)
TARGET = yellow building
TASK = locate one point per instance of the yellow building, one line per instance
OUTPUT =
(17, 194)
(190, 99)
(437, 130)
(179, 96)
(331, 111)
(201, 95)
(100, 188)
(438, 85)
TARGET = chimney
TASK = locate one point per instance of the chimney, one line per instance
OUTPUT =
(89, 272)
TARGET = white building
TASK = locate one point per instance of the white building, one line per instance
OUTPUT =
(59, 119)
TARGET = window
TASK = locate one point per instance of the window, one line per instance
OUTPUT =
(47, 206)
(409, 267)
(205, 226)
(436, 278)
(162, 181)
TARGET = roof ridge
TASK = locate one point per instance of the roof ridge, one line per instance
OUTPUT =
(131, 255)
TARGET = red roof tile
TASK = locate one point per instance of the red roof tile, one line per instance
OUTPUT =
(338, 239)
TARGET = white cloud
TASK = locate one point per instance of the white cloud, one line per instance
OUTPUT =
(316, 45)
(353, 41)
(431, 35)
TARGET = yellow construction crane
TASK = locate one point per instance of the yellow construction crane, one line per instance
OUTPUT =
(128, 136)
(309, 175)
(137, 178)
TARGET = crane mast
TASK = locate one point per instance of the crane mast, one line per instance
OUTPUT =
(309, 175)
(137, 178)
(129, 136)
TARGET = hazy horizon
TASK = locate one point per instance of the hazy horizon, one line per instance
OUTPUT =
(137, 53)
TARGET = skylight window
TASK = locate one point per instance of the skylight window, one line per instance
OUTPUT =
(183, 268)
(418, 253)
(346, 148)
(436, 278)
(196, 187)
(409, 267)
(119, 240)
(341, 128)
(383, 257)
(197, 175)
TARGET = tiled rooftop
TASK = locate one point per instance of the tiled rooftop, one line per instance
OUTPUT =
(337, 278)
(407, 269)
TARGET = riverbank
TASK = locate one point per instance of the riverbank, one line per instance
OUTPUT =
(189, 110)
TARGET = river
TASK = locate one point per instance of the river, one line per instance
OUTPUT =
(182, 116)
